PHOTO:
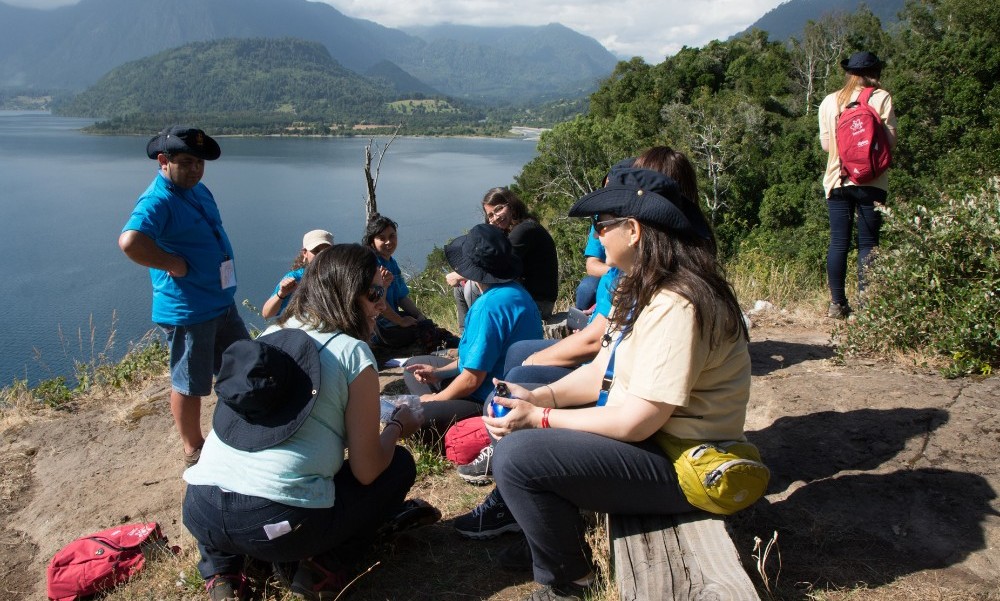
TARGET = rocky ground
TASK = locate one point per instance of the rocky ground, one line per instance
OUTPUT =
(885, 480)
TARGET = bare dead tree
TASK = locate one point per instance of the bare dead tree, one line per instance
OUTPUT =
(373, 150)
(817, 53)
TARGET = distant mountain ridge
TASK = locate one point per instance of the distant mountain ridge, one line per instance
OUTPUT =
(73, 46)
(235, 76)
(789, 19)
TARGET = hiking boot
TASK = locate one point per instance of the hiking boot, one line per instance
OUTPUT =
(838, 311)
(516, 557)
(315, 582)
(225, 587)
(490, 518)
(413, 513)
(561, 592)
(480, 471)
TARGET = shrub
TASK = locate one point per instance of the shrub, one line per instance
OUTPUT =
(935, 289)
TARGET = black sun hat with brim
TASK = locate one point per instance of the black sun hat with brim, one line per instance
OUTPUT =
(484, 255)
(266, 387)
(184, 139)
(648, 196)
(860, 61)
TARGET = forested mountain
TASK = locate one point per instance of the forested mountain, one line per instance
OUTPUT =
(72, 46)
(789, 19)
(245, 85)
(744, 111)
(399, 80)
(558, 53)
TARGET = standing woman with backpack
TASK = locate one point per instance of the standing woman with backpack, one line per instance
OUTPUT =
(846, 194)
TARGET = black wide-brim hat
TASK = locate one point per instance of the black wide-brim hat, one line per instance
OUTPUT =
(648, 196)
(860, 61)
(181, 138)
(266, 387)
(484, 255)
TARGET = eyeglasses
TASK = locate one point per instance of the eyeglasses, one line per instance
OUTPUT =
(600, 226)
(491, 215)
(375, 293)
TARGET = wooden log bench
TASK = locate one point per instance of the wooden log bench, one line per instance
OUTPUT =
(687, 557)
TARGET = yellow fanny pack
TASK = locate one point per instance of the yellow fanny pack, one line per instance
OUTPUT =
(719, 477)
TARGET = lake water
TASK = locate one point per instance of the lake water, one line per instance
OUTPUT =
(64, 197)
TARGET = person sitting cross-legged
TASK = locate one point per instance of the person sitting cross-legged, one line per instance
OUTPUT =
(452, 390)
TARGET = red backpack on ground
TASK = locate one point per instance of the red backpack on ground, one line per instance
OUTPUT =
(100, 561)
(464, 440)
(862, 141)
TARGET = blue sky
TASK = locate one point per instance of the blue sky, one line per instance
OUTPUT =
(652, 29)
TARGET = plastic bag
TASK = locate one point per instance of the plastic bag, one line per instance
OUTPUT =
(389, 403)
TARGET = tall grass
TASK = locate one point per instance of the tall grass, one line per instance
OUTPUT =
(756, 276)
(144, 359)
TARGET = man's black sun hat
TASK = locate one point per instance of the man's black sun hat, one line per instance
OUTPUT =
(181, 138)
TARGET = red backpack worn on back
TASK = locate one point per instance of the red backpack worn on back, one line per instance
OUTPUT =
(100, 561)
(862, 141)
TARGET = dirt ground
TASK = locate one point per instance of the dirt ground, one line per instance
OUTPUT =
(885, 479)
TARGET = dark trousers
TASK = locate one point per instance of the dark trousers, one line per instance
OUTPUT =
(547, 476)
(842, 205)
(229, 526)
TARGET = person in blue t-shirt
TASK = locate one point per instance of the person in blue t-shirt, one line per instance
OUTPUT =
(596, 265)
(504, 314)
(312, 242)
(401, 323)
(176, 231)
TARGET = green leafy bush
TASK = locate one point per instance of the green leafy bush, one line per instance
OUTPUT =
(53, 392)
(935, 288)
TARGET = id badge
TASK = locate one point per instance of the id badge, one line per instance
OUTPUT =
(227, 274)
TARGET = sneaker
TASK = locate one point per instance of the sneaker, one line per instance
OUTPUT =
(225, 587)
(562, 592)
(838, 311)
(516, 557)
(480, 471)
(314, 582)
(192, 457)
(490, 518)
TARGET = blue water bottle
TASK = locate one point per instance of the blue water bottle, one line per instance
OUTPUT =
(500, 410)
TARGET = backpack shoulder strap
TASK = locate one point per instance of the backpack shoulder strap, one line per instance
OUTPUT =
(866, 95)
(328, 341)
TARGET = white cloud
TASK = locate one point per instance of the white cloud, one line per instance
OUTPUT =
(40, 3)
(650, 29)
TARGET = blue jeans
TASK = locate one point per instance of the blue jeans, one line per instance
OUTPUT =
(196, 350)
(586, 292)
(842, 205)
(547, 476)
(521, 350)
(229, 525)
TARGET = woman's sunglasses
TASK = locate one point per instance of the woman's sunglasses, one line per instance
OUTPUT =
(600, 226)
(375, 293)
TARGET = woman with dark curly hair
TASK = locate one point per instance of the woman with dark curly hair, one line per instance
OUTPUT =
(677, 349)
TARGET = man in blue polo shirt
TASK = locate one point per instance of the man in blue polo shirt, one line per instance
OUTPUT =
(176, 231)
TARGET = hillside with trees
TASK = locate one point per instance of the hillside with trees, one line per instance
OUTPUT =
(787, 20)
(252, 86)
(744, 110)
(73, 46)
